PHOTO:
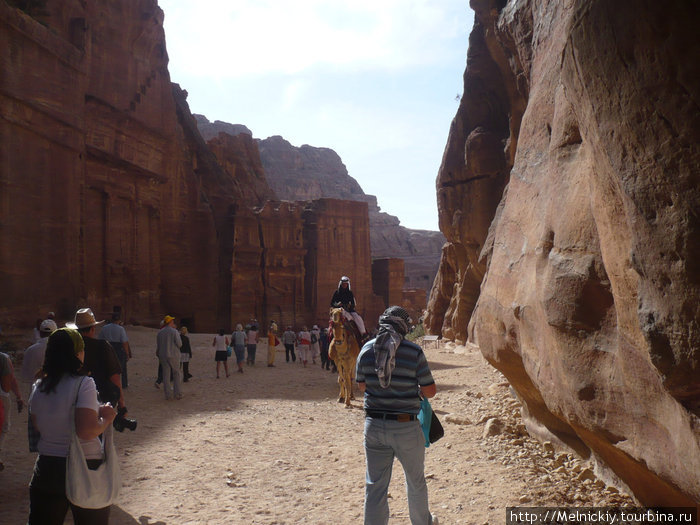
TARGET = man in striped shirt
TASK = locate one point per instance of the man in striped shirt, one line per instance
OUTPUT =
(393, 373)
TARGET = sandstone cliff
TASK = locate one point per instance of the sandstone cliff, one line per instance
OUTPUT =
(569, 195)
(102, 205)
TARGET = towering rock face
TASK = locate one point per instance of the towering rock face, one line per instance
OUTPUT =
(95, 136)
(238, 155)
(268, 265)
(110, 196)
(569, 195)
(225, 197)
(307, 173)
(42, 147)
(288, 258)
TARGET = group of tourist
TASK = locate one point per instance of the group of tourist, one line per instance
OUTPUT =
(174, 351)
(309, 346)
(59, 361)
(392, 399)
(76, 380)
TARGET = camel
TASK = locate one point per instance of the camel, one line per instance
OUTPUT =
(343, 350)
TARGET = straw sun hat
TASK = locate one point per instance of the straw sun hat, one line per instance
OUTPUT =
(84, 318)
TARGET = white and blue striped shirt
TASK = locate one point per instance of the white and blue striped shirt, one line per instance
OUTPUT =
(402, 395)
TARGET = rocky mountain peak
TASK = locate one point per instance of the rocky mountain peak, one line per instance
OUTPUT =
(210, 130)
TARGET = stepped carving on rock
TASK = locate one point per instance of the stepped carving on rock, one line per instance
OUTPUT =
(569, 195)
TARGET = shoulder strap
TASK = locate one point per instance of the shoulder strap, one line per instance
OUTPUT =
(76, 390)
(76, 393)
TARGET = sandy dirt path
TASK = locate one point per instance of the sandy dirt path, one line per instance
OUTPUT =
(272, 446)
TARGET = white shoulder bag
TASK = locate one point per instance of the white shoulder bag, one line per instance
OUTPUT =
(91, 489)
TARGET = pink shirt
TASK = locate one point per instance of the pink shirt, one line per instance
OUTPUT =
(252, 337)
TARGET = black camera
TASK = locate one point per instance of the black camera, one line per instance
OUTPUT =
(121, 422)
(108, 392)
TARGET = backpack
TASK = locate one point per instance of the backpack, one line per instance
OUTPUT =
(314, 339)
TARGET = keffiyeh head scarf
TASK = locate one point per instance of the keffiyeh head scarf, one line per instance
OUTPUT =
(394, 324)
(344, 279)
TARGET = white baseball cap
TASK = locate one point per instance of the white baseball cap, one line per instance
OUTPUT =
(48, 325)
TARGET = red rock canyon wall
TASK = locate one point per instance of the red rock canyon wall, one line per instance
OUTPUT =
(569, 195)
(109, 195)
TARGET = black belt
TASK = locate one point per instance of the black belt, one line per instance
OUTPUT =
(395, 417)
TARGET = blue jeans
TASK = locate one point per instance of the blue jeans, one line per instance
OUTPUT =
(240, 353)
(384, 441)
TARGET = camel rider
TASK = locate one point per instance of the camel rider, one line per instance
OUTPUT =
(344, 297)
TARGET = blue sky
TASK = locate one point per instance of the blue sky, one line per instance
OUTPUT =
(375, 80)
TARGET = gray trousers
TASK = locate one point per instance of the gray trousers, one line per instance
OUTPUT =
(171, 363)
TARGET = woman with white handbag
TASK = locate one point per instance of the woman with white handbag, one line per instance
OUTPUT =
(74, 468)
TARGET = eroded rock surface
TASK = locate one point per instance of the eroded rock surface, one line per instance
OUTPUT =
(569, 194)
(209, 130)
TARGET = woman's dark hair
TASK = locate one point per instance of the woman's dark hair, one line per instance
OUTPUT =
(221, 332)
(60, 359)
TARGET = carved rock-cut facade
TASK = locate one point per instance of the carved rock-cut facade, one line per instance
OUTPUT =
(268, 265)
(95, 182)
(336, 236)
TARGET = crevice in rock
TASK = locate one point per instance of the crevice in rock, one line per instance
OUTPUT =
(458, 182)
(263, 260)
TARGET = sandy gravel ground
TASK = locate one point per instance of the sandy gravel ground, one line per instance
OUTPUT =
(272, 446)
